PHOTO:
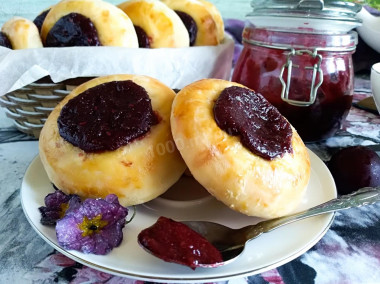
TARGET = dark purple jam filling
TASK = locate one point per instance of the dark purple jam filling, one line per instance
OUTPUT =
(260, 126)
(73, 30)
(39, 20)
(175, 242)
(190, 25)
(107, 116)
(4, 40)
(142, 37)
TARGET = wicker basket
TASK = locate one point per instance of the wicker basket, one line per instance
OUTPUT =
(30, 106)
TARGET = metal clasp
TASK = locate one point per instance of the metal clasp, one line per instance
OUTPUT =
(314, 87)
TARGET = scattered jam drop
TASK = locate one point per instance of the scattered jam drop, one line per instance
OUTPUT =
(262, 129)
(107, 116)
(4, 40)
(190, 25)
(73, 30)
(173, 241)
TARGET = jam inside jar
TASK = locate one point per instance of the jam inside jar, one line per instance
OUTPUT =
(305, 72)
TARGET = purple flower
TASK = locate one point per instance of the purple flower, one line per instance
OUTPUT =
(94, 227)
(57, 204)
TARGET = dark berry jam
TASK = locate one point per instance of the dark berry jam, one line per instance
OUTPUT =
(144, 40)
(39, 20)
(73, 30)
(4, 40)
(259, 68)
(107, 116)
(173, 241)
(190, 25)
(261, 128)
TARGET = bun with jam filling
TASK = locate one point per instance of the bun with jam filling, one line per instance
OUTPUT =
(202, 19)
(20, 33)
(240, 148)
(87, 23)
(112, 135)
(156, 24)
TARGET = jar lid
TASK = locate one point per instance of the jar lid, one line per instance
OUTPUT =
(329, 16)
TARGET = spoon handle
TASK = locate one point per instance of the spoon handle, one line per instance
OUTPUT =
(364, 196)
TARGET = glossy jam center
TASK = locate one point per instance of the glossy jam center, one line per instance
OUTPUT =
(107, 116)
(259, 68)
(190, 25)
(175, 242)
(39, 20)
(4, 40)
(73, 30)
(261, 128)
(142, 37)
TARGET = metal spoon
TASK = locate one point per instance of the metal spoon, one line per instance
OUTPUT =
(231, 242)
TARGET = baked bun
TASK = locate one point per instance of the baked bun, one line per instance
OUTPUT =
(22, 33)
(209, 23)
(139, 168)
(256, 184)
(160, 24)
(96, 22)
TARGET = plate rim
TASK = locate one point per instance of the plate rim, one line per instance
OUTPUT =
(176, 279)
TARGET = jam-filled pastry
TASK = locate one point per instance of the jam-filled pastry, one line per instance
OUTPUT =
(112, 135)
(156, 24)
(202, 20)
(87, 23)
(240, 148)
(20, 33)
(39, 20)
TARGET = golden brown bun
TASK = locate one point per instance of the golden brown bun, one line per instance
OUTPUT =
(22, 33)
(136, 173)
(113, 26)
(161, 24)
(210, 27)
(242, 180)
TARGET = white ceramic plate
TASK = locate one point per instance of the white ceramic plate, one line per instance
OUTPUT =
(130, 260)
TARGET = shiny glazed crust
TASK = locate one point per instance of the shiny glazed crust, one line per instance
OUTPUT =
(22, 33)
(113, 25)
(242, 180)
(136, 173)
(162, 25)
(208, 29)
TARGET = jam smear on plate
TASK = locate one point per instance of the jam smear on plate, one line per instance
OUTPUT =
(262, 129)
(107, 116)
(173, 241)
(73, 30)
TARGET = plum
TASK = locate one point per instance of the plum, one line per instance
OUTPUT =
(355, 167)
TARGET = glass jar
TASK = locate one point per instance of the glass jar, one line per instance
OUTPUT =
(298, 55)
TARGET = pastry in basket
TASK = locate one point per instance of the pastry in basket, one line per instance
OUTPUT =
(39, 20)
(87, 23)
(201, 18)
(156, 24)
(20, 33)
(112, 135)
(240, 148)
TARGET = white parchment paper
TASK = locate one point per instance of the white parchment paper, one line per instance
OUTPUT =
(176, 67)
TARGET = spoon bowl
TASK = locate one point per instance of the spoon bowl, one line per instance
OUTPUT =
(231, 242)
